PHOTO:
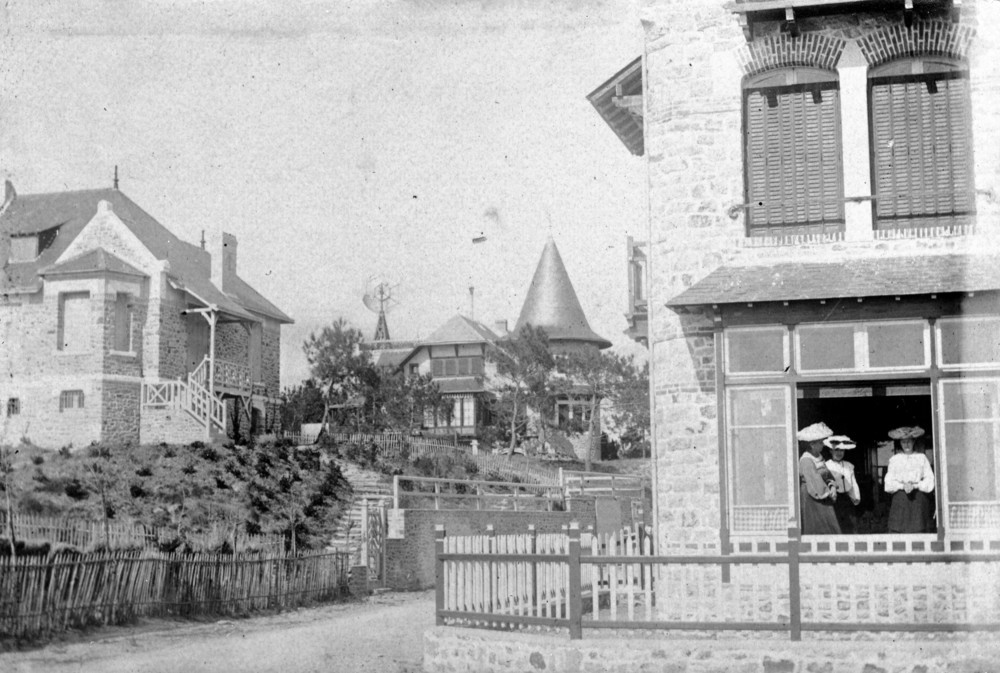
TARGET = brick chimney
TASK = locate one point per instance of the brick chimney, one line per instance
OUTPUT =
(224, 261)
(500, 327)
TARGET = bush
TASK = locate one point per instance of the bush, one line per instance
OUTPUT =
(37, 460)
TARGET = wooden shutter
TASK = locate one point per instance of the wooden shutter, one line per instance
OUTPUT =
(793, 159)
(123, 323)
(922, 153)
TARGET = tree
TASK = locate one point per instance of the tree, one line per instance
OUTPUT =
(339, 364)
(630, 408)
(403, 400)
(597, 373)
(524, 365)
(302, 404)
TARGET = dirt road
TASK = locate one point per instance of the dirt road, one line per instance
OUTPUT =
(383, 633)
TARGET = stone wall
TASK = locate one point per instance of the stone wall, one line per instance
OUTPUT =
(120, 412)
(460, 650)
(169, 425)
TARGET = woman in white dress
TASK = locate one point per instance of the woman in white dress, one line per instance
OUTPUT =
(909, 478)
(848, 491)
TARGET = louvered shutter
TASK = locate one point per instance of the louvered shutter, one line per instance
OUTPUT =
(793, 160)
(921, 136)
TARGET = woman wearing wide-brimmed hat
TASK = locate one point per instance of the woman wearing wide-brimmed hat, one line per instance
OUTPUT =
(909, 478)
(816, 485)
(848, 491)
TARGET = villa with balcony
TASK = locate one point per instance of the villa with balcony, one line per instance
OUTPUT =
(114, 330)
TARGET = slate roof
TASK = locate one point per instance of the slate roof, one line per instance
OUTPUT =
(92, 261)
(460, 330)
(68, 213)
(865, 277)
(551, 303)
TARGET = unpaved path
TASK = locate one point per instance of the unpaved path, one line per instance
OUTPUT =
(382, 633)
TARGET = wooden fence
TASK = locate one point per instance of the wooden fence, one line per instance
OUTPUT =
(41, 595)
(598, 484)
(87, 533)
(582, 582)
(429, 492)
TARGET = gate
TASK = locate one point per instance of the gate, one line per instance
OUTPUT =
(373, 525)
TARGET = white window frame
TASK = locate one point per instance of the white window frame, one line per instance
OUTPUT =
(941, 475)
(785, 342)
(861, 348)
(791, 458)
(965, 366)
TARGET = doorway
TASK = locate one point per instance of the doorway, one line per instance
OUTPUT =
(866, 413)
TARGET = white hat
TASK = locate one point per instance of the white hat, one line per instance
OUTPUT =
(814, 432)
(842, 442)
(906, 432)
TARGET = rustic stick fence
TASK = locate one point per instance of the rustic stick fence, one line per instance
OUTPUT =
(429, 492)
(598, 484)
(41, 595)
(583, 582)
(86, 533)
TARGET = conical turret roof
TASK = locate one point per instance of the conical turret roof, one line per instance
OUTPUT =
(552, 304)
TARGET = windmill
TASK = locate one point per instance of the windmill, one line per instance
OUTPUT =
(378, 298)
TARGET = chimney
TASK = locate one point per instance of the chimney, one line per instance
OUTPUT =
(500, 327)
(224, 262)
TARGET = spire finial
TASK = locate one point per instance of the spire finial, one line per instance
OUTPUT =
(116, 178)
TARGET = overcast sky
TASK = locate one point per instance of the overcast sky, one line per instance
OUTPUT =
(342, 142)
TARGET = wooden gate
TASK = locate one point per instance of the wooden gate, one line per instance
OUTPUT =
(374, 515)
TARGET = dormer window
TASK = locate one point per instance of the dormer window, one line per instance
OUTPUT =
(24, 248)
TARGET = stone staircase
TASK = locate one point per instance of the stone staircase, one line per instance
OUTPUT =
(366, 484)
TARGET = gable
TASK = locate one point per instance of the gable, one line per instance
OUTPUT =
(106, 230)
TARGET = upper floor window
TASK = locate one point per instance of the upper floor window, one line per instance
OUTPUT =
(921, 136)
(792, 151)
(74, 321)
(70, 399)
(467, 366)
(123, 323)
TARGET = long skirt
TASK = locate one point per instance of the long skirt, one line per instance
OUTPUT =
(910, 512)
(845, 511)
(818, 517)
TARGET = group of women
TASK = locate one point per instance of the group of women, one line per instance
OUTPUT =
(829, 491)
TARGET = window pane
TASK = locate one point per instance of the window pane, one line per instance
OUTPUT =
(970, 341)
(756, 350)
(896, 345)
(971, 460)
(758, 446)
(826, 347)
(970, 400)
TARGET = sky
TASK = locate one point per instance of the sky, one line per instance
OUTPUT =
(344, 143)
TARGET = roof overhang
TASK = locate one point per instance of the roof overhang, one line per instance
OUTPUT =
(619, 102)
(856, 278)
(228, 311)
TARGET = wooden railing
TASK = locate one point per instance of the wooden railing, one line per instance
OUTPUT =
(232, 375)
(40, 595)
(191, 397)
(490, 585)
(598, 484)
(481, 495)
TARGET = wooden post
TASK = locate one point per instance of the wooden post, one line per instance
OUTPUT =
(533, 541)
(575, 599)
(437, 495)
(794, 589)
(439, 587)
(364, 532)
(491, 580)
(395, 492)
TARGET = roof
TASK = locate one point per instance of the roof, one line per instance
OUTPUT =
(69, 212)
(92, 261)
(464, 384)
(460, 330)
(865, 277)
(390, 359)
(627, 125)
(551, 303)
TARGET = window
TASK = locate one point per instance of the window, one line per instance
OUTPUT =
(968, 342)
(573, 413)
(70, 399)
(757, 350)
(414, 369)
(793, 176)
(123, 323)
(74, 321)
(921, 136)
(759, 424)
(13, 406)
(467, 366)
(971, 413)
(874, 346)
